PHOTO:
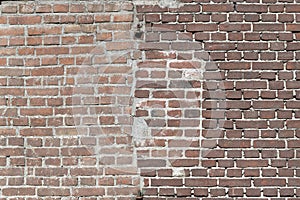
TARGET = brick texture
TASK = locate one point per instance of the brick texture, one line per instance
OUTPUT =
(194, 100)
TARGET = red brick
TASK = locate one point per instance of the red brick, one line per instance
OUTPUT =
(252, 163)
(201, 27)
(252, 46)
(234, 143)
(219, 46)
(95, 7)
(54, 30)
(52, 51)
(24, 191)
(185, 162)
(293, 27)
(85, 19)
(269, 182)
(43, 8)
(252, 8)
(123, 18)
(12, 31)
(294, 182)
(9, 8)
(292, 8)
(268, 144)
(21, 20)
(77, 8)
(251, 85)
(51, 191)
(55, 71)
(185, 18)
(268, 104)
(150, 9)
(235, 27)
(268, 27)
(200, 182)
(166, 182)
(251, 124)
(189, 8)
(213, 153)
(235, 65)
(200, 192)
(235, 182)
(36, 132)
(60, 8)
(217, 7)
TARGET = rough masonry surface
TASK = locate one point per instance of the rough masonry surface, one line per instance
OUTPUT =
(187, 99)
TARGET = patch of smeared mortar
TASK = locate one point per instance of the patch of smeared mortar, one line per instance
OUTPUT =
(178, 172)
(195, 73)
(161, 3)
(140, 130)
(192, 74)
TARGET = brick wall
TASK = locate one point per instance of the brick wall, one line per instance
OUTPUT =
(179, 100)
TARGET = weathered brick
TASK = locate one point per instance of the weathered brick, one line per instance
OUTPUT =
(268, 27)
(201, 27)
(24, 191)
(269, 182)
(252, 8)
(24, 20)
(217, 7)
